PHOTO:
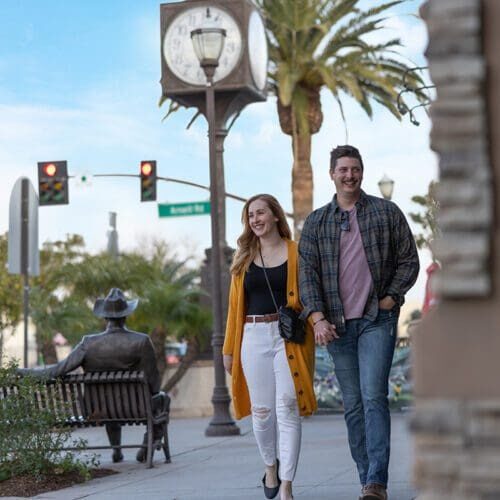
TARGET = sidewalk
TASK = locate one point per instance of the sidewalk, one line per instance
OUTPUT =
(230, 468)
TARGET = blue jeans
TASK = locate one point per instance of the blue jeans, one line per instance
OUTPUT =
(363, 358)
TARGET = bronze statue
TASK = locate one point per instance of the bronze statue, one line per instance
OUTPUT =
(116, 348)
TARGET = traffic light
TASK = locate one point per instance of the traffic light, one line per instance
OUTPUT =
(148, 180)
(53, 183)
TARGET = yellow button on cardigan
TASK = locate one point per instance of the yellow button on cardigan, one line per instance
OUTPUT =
(300, 357)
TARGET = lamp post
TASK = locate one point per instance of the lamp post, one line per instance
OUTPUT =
(386, 186)
(208, 43)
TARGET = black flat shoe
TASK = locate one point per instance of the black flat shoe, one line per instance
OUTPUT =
(272, 492)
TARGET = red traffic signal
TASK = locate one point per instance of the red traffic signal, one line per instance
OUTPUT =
(53, 183)
(49, 169)
(148, 180)
(146, 168)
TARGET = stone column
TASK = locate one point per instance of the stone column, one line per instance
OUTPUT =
(457, 347)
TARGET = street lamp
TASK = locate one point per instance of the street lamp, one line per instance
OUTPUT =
(386, 186)
(208, 43)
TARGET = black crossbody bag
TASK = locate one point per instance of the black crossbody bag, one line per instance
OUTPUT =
(290, 326)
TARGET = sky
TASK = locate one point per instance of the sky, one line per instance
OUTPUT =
(79, 81)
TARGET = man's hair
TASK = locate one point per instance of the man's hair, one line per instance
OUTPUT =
(346, 150)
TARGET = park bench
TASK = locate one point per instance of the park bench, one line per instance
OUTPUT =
(96, 398)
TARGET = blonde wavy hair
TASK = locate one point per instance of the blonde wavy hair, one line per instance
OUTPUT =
(248, 242)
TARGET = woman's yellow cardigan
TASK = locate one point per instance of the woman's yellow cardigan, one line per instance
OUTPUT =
(300, 357)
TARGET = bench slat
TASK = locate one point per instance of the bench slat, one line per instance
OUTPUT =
(82, 400)
(133, 400)
(103, 403)
(109, 394)
(75, 401)
(117, 398)
(126, 400)
(140, 397)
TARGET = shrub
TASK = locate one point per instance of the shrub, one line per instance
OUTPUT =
(31, 435)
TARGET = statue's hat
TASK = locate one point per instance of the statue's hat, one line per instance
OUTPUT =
(115, 305)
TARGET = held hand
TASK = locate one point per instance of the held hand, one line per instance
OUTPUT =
(227, 359)
(386, 303)
(324, 332)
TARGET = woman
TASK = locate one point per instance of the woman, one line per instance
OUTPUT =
(271, 378)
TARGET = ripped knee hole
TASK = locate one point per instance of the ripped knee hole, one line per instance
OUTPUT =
(261, 412)
(288, 401)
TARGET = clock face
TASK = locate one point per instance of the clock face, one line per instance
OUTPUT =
(178, 48)
(257, 44)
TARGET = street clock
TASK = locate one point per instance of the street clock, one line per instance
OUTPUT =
(242, 69)
(178, 50)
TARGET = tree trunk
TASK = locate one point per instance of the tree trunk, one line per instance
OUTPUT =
(158, 338)
(302, 182)
(302, 175)
(48, 350)
(314, 115)
(193, 350)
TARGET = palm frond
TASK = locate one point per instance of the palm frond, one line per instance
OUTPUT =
(342, 115)
(172, 107)
(320, 43)
(333, 12)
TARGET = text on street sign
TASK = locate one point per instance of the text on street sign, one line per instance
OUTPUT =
(183, 209)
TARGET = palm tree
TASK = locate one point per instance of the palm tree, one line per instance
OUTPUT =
(52, 313)
(169, 297)
(317, 44)
(170, 307)
(53, 307)
(173, 310)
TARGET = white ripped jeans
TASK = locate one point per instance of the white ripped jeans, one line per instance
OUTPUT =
(272, 395)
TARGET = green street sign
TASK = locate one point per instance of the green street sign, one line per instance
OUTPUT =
(183, 209)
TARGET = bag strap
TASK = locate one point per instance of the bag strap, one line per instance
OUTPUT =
(267, 281)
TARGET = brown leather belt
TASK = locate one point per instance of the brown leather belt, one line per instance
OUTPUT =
(264, 318)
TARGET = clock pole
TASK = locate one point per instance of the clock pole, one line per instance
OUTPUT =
(236, 29)
(221, 424)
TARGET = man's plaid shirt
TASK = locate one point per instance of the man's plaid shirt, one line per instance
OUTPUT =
(389, 247)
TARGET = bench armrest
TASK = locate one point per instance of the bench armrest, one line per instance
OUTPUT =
(160, 403)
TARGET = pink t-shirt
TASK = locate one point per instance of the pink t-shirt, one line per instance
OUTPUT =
(355, 279)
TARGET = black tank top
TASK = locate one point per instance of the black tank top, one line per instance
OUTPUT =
(257, 295)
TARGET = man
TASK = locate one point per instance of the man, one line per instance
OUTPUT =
(357, 260)
(117, 348)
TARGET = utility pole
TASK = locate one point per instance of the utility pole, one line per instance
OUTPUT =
(113, 237)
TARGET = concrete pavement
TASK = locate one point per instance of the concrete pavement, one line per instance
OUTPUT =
(230, 468)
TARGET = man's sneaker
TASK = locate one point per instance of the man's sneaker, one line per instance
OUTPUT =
(374, 492)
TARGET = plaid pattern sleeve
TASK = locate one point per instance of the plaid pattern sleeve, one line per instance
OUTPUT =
(405, 255)
(390, 250)
(309, 271)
